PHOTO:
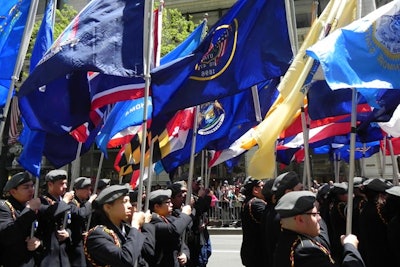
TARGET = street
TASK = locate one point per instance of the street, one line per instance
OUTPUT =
(225, 251)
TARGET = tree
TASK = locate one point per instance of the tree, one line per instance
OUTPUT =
(175, 29)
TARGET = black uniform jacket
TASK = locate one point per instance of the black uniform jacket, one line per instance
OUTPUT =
(80, 211)
(15, 226)
(296, 250)
(168, 239)
(108, 245)
(253, 240)
(54, 251)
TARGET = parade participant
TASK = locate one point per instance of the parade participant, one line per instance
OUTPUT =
(284, 183)
(393, 229)
(113, 242)
(17, 214)
(359, 200)
(337, 217)
(199, 241)
(81, 208)
(373, 225)
(102, 184)
(52, 226)
(300, 226)
(171, 251)
(251, 215)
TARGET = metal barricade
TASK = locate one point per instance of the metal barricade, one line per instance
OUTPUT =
(225, 214)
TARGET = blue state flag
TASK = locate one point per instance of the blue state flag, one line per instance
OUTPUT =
(13, 16)
(55, 110)
(33, 144)
(224, 119)
(62, 149)
(364, 54)
(106, 36)
(249, 44)
(32, 140)
(123, 115)
(44, 37)
(324, 102)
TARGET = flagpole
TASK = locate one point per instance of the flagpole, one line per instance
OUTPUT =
(292, 27)
(35, 195)
(306, 127)
(383, 157)
(74, 174)
(149, 176)
(394, 164)
(148, 37)
(206, 169)
(75, 166)
(352, 157)
(96, 185)
(26, 36)
(362, 161)
(192, 156)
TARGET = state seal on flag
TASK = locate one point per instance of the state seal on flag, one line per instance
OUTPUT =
(219, 54)
(212, 116)
(388, 32)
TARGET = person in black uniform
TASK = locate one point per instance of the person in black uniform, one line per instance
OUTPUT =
(297, 245)
(171, 251)
(52, 226)
(252, 212)
(113, 242)
(393, 229)
(284, 183)
(81, 208)
(337, 218)
(102, 184)
(359, 200)
(17, 213)
(373, 221)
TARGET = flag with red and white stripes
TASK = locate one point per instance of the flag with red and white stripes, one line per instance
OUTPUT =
(13, 132)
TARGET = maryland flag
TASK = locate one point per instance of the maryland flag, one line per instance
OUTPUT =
(128, 158)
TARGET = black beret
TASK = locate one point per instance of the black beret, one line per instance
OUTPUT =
(133, 194)
(82, 182)
(248, 185)
(112, 193)
(339, 188)
(177, 187)
(160, 195)
(55, 175)
(323, 191)
(394, 191)
(267, 189)
(285, 181)
(376, 185)
(16, 180)
(294, 203)
(103, 183)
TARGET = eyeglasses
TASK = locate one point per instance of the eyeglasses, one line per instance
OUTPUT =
(312, 213)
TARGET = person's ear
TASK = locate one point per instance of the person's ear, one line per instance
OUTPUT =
(107, 207)
(299, 218)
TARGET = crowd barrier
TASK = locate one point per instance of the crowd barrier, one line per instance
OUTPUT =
(225, 214)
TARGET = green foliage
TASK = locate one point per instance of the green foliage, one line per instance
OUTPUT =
(175, 29)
